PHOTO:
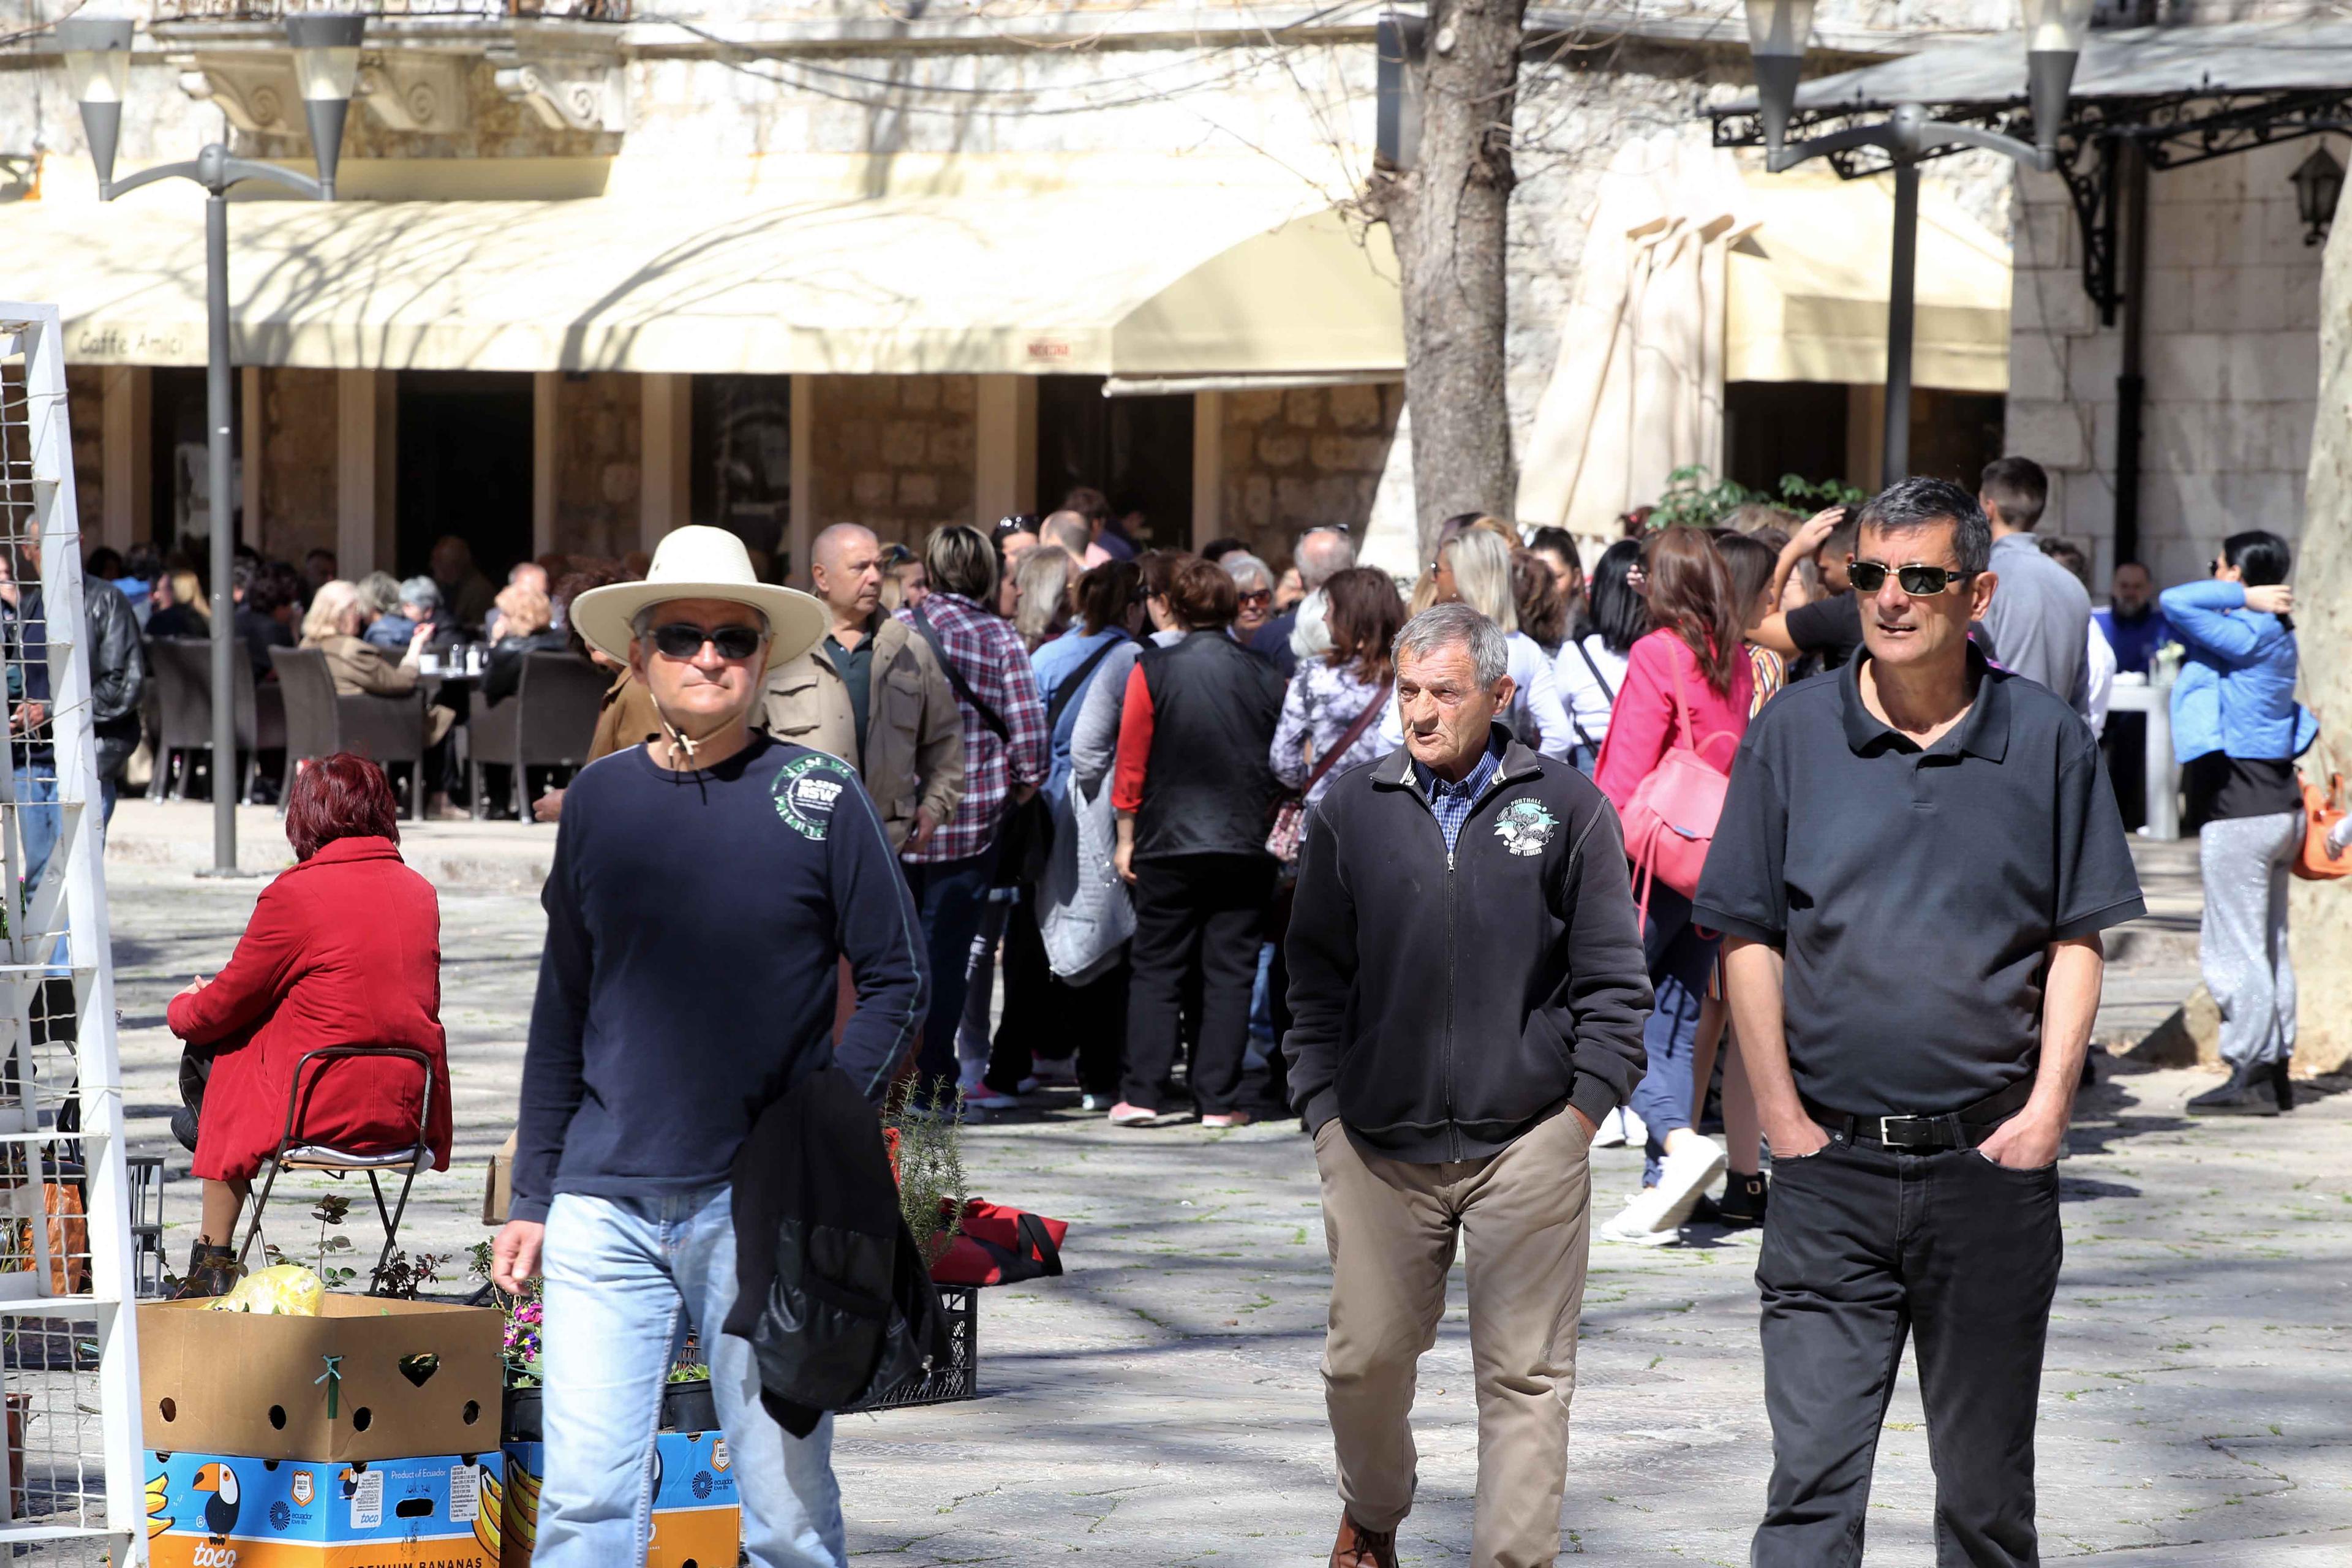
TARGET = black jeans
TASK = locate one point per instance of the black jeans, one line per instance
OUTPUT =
(1860, 1247)
(2126, 745)
(1046, 1016)
(1194, 914)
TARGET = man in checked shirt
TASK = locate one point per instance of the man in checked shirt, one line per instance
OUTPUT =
(1006, 759)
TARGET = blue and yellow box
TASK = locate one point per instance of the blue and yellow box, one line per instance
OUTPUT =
(214, 1510)
(697, 1520)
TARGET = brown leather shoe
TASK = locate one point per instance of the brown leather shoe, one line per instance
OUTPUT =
(1360, 1548)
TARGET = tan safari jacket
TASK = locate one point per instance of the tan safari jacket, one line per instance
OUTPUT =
(914, 734)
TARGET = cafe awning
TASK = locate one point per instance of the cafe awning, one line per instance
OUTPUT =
(1806, 287)
(1138, 281)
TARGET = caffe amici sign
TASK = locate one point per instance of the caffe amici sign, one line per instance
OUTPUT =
(91, 343)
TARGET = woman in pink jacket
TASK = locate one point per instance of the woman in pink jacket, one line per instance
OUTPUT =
(1686, 684)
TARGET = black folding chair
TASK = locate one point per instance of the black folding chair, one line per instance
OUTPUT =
(294, 1155)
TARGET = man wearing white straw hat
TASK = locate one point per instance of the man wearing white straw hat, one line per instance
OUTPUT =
(707, 886)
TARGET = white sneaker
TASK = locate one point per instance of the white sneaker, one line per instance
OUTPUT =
(1620, 1127)
(987, 1098)
(1656, 1216)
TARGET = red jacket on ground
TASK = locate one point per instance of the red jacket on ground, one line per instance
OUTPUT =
(342, 950)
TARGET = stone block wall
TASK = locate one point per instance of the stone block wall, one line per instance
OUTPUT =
(1306, 456)
(2231, 356)
(598, 472)
(297, 462)
(892, 452)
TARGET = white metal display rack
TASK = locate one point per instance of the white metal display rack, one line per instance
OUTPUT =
(74, 1489)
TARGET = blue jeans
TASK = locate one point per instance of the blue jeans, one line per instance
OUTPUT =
(948, 895)
(625, 1277)
(38, 819)
(1679, 960)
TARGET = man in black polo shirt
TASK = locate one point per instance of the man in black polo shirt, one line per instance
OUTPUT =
(1913, 867)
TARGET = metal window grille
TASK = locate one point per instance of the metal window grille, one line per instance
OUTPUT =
(73, 1489)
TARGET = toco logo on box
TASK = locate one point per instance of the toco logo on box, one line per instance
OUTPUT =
(207, 1511)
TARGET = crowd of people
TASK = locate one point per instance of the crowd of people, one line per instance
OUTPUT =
(1470, 876)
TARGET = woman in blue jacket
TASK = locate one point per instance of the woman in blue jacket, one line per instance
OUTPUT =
(2236, 731)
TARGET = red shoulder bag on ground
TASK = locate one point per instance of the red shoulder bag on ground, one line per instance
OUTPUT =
(1001, 1246)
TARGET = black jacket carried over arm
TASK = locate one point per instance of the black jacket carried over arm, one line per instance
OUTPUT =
(829, 1286)
(1442, 1004)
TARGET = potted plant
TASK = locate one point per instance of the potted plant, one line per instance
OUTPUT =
(686, 1401)
(925, 1138)
(519, 1350)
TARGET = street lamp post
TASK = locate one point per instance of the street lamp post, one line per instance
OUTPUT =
(1777, 31)
(327, 62)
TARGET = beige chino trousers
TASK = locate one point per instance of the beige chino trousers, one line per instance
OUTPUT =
(1524, 1215)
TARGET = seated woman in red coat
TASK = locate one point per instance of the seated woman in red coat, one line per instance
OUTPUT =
(344, 949)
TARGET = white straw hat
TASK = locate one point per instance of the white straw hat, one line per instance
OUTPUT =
(699, 562)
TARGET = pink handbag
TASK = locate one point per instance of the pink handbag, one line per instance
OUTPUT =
(1670, 822)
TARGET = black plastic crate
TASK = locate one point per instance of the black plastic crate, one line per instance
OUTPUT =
(959, 1378)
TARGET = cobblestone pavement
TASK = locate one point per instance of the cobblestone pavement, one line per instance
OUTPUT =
(1160, 1404)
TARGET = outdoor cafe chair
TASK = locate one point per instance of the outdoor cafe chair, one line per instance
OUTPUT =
(548, 722)
(318, 722)
(183, 668)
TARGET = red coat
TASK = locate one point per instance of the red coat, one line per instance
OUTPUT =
(342, 950)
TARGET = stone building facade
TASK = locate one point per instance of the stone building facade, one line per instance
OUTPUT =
(755, 95)
(2231, 359)
(894, 452)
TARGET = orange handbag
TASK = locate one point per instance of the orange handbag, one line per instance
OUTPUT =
(2320, 813)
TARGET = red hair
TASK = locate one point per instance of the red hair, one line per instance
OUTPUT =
(341, 796)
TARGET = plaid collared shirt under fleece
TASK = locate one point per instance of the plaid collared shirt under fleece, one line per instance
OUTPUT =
(1451, 801)
(989, 656)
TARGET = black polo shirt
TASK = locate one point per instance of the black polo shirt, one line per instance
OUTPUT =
(1915, 892)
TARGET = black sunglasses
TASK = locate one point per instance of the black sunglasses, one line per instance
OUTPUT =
(684, 639)
(1258, 596)
(1919, 582)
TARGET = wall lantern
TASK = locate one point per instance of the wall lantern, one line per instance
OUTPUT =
(2318, 180)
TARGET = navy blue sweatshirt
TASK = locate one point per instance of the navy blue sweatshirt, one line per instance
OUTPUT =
(695, 923)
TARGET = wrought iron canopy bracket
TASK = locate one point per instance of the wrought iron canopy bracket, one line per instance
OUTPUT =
(2173, 131)
(2094, 182)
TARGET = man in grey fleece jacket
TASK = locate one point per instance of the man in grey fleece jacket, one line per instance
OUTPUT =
(1468, 993)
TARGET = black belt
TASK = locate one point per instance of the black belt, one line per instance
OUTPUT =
(1962, 1129)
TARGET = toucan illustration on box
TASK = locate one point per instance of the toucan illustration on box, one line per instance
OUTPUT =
(220, 1514)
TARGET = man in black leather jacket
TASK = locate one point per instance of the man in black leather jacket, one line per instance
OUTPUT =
(117, 676)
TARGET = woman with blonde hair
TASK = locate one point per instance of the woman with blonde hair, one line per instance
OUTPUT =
(1041, 595)
(332, 626)
(526, 626)
(1425, 591)
(1475, 567)
(180, 607)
